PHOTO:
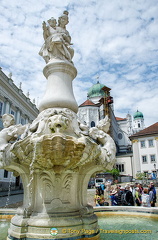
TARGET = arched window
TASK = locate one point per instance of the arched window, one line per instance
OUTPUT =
(92, 124)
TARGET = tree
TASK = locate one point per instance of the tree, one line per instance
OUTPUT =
(115, 173)
(140, 176)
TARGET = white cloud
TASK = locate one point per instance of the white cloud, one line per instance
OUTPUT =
(116, 40)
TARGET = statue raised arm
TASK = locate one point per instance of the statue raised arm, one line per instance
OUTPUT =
(45, 30)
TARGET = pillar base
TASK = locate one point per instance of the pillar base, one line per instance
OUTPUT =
(67, 226)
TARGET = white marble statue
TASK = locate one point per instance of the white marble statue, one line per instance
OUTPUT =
(10, 132)
(104, 124)
(106, 143)
(57, 43)
(51, 121)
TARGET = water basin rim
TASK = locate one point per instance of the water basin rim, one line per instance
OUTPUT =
(127, 210)
(8, 211)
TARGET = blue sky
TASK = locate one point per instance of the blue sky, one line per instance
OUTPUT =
(116, 40)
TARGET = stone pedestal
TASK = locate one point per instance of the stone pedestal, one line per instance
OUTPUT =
(55, 203)
(59, 92)
(55, 180)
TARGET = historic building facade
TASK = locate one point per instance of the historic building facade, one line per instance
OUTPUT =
(145, 151)
(14, 101)
(99, 104)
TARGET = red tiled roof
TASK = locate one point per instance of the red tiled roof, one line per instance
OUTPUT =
(120, 119)
(87, 103)
(153, 129)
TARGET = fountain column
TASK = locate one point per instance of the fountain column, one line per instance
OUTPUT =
(59, 91)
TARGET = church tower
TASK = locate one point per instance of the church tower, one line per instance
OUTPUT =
(138, 121)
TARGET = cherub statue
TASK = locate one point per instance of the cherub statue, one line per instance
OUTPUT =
(57, 43)
(10, 132)
(104, 140)
(104, 124)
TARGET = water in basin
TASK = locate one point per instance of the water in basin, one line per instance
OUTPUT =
(133, 227)
(122, 227)
(4, 225)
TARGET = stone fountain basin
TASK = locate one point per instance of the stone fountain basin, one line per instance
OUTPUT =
(126, 210)
(130, 223)
(147, 218)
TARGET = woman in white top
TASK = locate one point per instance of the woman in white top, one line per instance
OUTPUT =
(145, 198)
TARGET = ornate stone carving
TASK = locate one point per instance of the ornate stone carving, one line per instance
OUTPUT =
(66, 188)
(57, 43)
(104, 124)
(108, 148)
(8, 135)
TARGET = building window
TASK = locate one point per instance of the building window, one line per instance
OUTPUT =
(120, 136)
(22, 121)
(120, 167)
(142, 144)
(92, 124)
(151, 143)
(12, 112)
(152, 158)
(139, 125)
(5, 174)
(1, 108)
(144, 159)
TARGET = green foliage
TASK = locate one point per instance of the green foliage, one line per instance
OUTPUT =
(115, 173)
(140, 176)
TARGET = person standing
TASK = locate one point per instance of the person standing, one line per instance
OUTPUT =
(151, 196)
(113, 198)
(154, 191)
(145, 198)
(102, 188)
(119, 198)
(99, 198)
(127, 197)
(137, 197)
(132, 189)
(108, 189)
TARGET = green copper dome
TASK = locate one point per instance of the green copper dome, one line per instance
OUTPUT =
(95, 90)
(138, 115)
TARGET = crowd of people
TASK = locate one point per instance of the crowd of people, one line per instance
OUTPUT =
(128, 195)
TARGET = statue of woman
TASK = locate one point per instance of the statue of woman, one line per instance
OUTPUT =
(61, 28)
(57, 40)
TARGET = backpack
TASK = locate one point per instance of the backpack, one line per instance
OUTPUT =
(123, 199)
(145, 199)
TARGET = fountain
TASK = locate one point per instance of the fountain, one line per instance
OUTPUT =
(56, 154)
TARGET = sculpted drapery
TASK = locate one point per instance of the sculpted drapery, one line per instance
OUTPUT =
(57, 43)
